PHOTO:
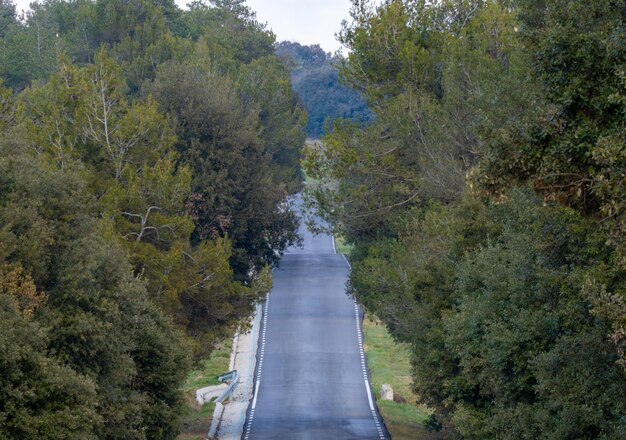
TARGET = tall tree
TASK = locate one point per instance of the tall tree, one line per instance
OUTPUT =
(42, 396)
(232, 178)
(513, 303)
(265, 85)
(97, 321)
(579, 54)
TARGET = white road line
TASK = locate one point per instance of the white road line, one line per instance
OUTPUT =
(368, 389)
(256, 394)
(347, 262)
(369, 396)
(250, 380)
(332, 238)
(261, 358)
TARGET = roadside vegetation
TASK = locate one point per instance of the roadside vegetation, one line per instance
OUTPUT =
(146, 154)
(389, 363)
(197, 418)
(486, 206)
(342, 246)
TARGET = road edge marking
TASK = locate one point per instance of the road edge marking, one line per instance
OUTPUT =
(346, 260)
(368, 388)
(261, 356)
(256, 393)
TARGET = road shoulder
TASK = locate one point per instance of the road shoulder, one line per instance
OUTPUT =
(229, 418)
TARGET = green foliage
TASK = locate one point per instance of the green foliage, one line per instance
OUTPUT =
(27, 49)
(52, 400)
(232, 188)
(315, 79)
(438, 92)
(231, 33)
(513, 302)
(573, 151)
(198, 417)
(504, 337)
(41, 395)
(538, 364)
(122, 360)
(135, 232)
(265, 84)
(82, 117)
(7, 108)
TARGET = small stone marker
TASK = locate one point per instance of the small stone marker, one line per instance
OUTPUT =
(386, 392)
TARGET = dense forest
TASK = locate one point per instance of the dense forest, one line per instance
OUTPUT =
(146, 154)
(315, 79)
(487, 206)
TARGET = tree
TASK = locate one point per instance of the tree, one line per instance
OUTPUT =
(8, 16)
(124, 134)
(494, 301)
(28, 49)
(513, 303)
(316, 81)
(98, 321)
(437, 91)
(52, 114)
(532, 358)
(132, 239)
(232, 191)
(81, 118)
(578, 55)
(41, 396)
(7, 108)
(265, 85)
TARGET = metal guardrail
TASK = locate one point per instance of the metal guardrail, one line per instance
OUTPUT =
(233, 376)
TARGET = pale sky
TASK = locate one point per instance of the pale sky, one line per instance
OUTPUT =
(304, 21)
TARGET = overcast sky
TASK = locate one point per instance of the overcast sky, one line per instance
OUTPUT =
(304, 21)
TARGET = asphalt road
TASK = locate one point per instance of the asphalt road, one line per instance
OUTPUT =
(310, 378)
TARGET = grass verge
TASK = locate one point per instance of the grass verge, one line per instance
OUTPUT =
(197, 419)
(389, 362)
(342, 246)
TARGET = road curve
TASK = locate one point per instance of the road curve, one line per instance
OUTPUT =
(311, 377)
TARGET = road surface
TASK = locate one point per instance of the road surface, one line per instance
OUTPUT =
(311, 377)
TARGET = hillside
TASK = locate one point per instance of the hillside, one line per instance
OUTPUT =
(315, 79)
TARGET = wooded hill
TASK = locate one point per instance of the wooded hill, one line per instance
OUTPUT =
(145, 156)
(487, 207)
(315, 79)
